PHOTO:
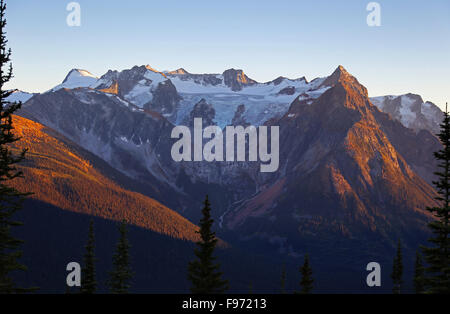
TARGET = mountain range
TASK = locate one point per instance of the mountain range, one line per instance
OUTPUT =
(355, 172)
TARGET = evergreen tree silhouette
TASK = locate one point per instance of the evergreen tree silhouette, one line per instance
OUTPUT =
(419, 274)
(306, 283)
(10, 198)
(121, 274)
(88, 282)
(437, 255)
(397, 270)
(203, 272)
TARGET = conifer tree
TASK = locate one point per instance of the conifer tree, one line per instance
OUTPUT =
(283, 279)
(419, 274)
(397, 270)
(306, 283)
(88, 282)
(437, 255)
(10, 198)
(203, 272)
(120, 276)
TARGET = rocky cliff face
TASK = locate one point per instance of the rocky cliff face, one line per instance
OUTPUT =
(165, 99)
(411, 111)
(200, 79)
(236, 79)
(142, 86)
(202, 110)
(239, 118)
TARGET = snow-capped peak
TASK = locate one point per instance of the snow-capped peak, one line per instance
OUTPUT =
(75, 74)
(77, 78)
(137, 85)
(179, 71)
(411, 111)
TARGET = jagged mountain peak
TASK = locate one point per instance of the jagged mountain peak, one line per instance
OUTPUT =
(233, 70)
(148, 67)
(341, 76)
(338, 75)
(277, 81)
(411, 110)
(76, 73)
(77, 78)
(341, 69)
(281, 79)
(143, 86)
(141, 83)
(236, 79)
(414, 96)
(179, 71)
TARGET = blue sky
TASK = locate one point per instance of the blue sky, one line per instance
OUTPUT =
(409, 52)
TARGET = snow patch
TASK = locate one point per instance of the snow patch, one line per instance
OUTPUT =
(407, 116)
(19, 96)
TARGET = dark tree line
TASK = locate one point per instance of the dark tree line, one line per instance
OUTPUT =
(397, 271)
(10, 198)
(204, 273)
(433, 276)
(121, 274)
(437, 255)
(306, 283)
(89, 283)
(419, 274)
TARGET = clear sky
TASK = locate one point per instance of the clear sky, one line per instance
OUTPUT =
(409, 52)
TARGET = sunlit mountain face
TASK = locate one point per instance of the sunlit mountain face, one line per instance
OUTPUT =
(64, 175)
(355, 174)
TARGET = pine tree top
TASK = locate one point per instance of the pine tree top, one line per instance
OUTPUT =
(437, 255)
(204, 274)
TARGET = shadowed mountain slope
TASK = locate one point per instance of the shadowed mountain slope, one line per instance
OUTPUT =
(58, 174)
